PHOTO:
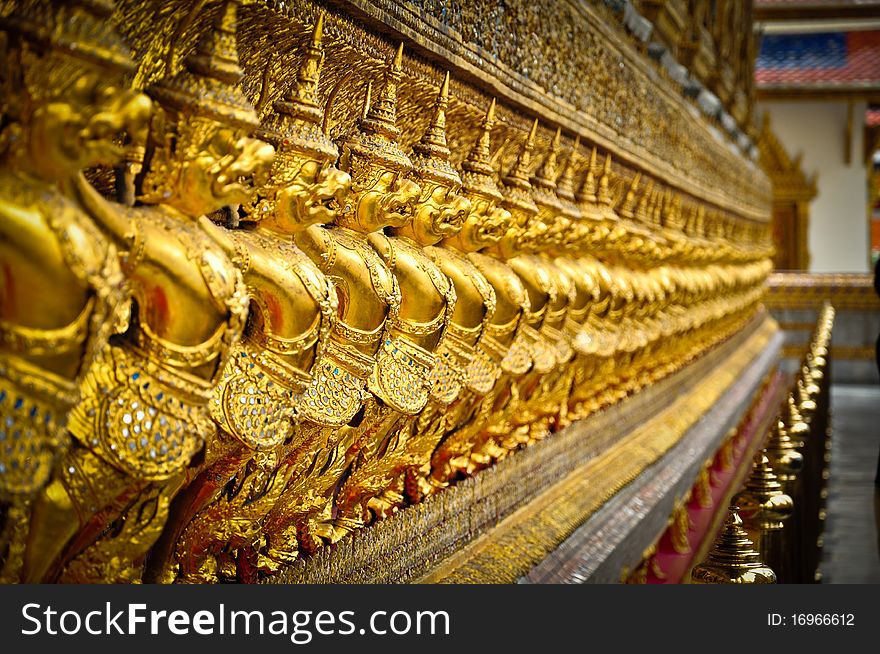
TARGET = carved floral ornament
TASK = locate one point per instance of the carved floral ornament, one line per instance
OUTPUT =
(293, 289)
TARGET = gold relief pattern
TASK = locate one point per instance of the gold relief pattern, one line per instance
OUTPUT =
(324, 283)
(585, 38)
(845, 291)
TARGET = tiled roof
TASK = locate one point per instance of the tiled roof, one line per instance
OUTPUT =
(823, 60)
(814, 3)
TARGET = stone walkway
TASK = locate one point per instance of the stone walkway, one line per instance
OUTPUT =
(852, 546)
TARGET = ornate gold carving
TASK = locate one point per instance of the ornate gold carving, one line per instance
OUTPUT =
(64, 293)
(763, 502)
(845, 291)
(733, 560)
(305, 298)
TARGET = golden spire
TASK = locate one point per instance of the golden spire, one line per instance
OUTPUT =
(545, 176)
(654, 211)
(433, 141)
(295, 124)
(701, 220)
(373, 143)
(216, 54)
(478, 175)
(209, 83)
(782, 452)
(764, 505)
(301, 100)
(479, 159)
(587, 194)
(431, 153)
(565, 182)
(381, 117)
(519, 174)
(664, 211)
(629, 201)
(368, 98)
(677, 206)
(604, 194)
(82, 30)
(733, 559)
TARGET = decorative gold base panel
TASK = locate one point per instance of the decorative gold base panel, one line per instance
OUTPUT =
(494, 527)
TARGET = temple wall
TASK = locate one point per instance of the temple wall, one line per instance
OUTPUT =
(795, 300)
(323, 359)
(838, 232)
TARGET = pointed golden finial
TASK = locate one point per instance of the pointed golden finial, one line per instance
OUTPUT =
(431, 154)
(587, 194)
(545, 176)
(318, 32)
(478, 172)
(701, 220)
(434, 139)
(764, 504)
(296, 122)
(479, 159)
(381, 117)
(733, 558)
(565, 182)
(519, 174)
(646, 203)
(301, 99)
(677, 206)
(517, 190)
(209, 84)
(603, 197)
(368, 99)
(216, 54)
(629, 201)
(782, 452)
(658, 209)
(372, 146)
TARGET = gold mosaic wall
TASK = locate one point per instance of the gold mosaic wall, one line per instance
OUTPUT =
(272, 273)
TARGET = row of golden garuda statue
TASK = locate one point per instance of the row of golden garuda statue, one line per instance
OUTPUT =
(190, 398)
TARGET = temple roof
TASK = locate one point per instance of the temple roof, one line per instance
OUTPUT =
(819, 61)
(811, 9)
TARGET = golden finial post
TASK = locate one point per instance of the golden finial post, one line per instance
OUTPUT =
(782, 452)
(603, 195)
(733, 559)
(764, 508)
(547, 173)
(520, 172)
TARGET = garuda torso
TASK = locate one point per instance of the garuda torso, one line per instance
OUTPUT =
(292, 310)
(369, 300)
(544, 296)
(512, 306)
(427, 304)
(49, 249)
(474, 310)
(145, 406)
